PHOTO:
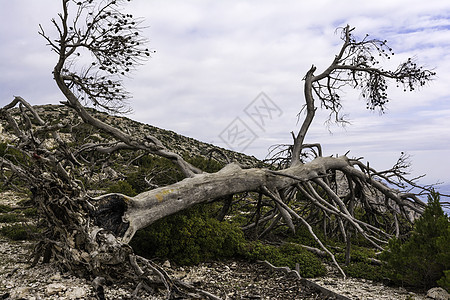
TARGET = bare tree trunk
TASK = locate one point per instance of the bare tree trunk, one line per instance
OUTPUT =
(147, 207)
(310, 113)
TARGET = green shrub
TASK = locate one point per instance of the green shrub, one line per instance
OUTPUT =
(164, 172)
(421, 260)
(360, 265)
(30, 212)
(10, 218)
(310, 265)
(122, 187)
(287, 255)
(189, 238)
(207, 165)
(366, 270)
(303, 236)
(445, 280)
(13, 154)
(161, 171)
(361, 254)
(18, 232)
(5, 208)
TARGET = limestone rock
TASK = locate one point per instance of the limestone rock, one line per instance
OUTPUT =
(438, 293)
(20, 293)
(55, 277)
(166, 264)
(55, 288)
(76, 293)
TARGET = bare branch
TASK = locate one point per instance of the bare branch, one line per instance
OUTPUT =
(356, 66)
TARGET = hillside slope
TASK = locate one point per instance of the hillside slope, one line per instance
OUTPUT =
(171, 140)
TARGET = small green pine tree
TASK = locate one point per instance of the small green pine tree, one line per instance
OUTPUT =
(445, 280)
(423, 258)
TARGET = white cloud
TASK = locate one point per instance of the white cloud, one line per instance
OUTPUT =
(213, 58)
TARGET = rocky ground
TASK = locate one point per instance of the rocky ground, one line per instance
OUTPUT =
(227, 280)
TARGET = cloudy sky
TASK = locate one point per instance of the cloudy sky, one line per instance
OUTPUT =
(214, 59)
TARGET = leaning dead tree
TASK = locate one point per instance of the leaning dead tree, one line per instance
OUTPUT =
(95, 45)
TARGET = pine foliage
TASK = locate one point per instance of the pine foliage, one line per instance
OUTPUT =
(424, 257)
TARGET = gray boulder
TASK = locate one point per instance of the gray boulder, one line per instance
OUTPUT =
(438, 293)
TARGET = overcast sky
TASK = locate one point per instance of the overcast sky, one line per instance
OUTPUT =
(214, 59)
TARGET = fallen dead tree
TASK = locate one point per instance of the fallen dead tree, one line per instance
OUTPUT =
(89, 236)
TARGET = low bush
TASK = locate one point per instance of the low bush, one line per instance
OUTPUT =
(122, 187)
(366, 270)
(11, 218)
(357, 254)
(189, 238)
(30, 212)
(5, 208)
(207, 165)
(360, 265)
(18, 232)
(158, 170)
(444, 282)
(303, 236)
(287, 255)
